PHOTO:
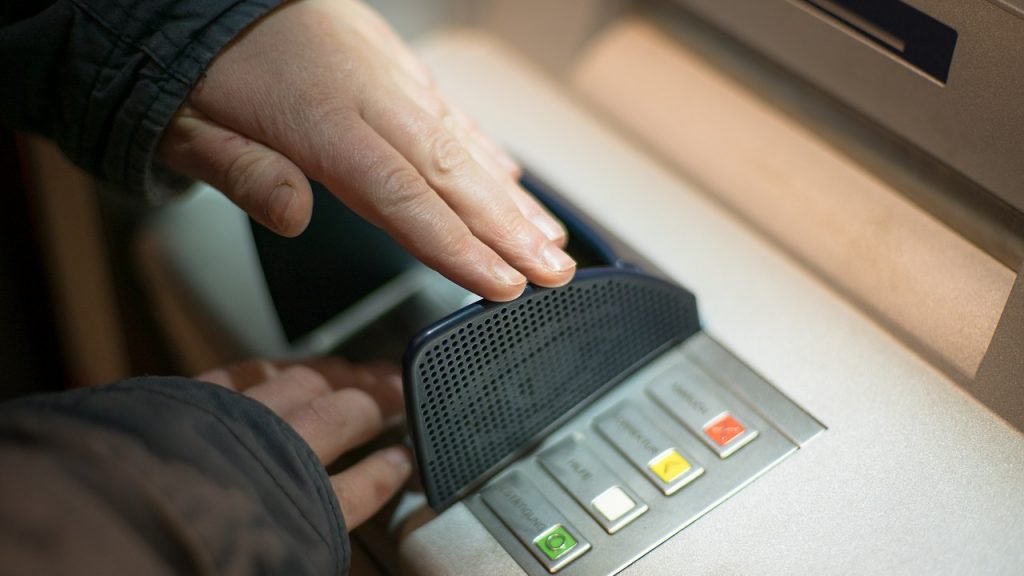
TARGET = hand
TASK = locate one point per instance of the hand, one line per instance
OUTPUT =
(326, 89)
(335, 407)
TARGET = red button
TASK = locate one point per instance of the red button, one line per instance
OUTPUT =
(724, 430)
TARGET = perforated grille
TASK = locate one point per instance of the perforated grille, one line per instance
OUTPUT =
(483, 390)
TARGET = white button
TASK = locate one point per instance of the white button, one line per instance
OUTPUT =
(592, 483)
(613, 503)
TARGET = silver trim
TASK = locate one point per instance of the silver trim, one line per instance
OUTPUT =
(689, 395)
(529, 515)
(632, 431)
(666, 515)
(586, 478)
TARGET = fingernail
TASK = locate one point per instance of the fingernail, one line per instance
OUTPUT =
(507, 275)
(397, 457)
(279, 204)
(549, 227)
(556, 260)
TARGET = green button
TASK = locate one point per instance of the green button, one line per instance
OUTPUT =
(555, 542)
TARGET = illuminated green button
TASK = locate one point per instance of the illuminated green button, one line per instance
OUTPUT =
(555, 542)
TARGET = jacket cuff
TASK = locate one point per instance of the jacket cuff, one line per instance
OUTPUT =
(180, 44)
(232, 441)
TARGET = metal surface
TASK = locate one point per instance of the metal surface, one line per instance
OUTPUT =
(953, 198)
(914, 475)
(1000, 380)
(848, 225)
(627, 431)
(740, 380)
(589, 481)
(691, 396)
(973, 121)
(530, 517)
(644, 445)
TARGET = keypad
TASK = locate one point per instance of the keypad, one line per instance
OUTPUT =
(632, 470)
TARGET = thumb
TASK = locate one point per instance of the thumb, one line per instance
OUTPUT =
(262, 182)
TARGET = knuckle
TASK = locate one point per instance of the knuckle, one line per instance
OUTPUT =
(383, 486)
(431, 102)
(244, 170)
(461, 248)
(350, 504)
(447, 155)
(325, 124)
(325, 413)
(336, 410)
(362, 378)
(512, 230)
(256, 369)
(402, 189)
(307, 378)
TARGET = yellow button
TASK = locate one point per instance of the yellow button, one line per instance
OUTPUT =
(669, 466)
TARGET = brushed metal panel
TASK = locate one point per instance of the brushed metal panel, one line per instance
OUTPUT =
(867, 497)
(974, 122)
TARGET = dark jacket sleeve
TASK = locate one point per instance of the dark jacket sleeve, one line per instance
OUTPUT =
(104, 77)
(162, 476)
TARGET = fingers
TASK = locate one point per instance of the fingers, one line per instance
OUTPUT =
(285, 386)
(376, 181)
(291, 388)
(366, 487)
(334, 406)
(336, 423)
(489, 155)
(413, 78)
(485, 204)
(329, 103)
(505, 170)
(262, 182)
(381, 381)
(490, 151)
(242, 376)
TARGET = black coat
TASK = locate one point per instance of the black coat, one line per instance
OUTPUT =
(150, 476)
(162, 476)
(104, 77)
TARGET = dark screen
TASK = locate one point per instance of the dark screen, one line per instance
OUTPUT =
(337, 261)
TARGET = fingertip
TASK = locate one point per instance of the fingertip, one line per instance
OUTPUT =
(368, 485)
(504, 295)
(556, 260)
(560, 269)
(288, 209)
(400, 458)
(278, 206)
(508, 283)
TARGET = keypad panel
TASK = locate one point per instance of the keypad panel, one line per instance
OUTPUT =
(660, 450)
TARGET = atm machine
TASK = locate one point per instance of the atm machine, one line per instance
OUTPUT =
(796, 341)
